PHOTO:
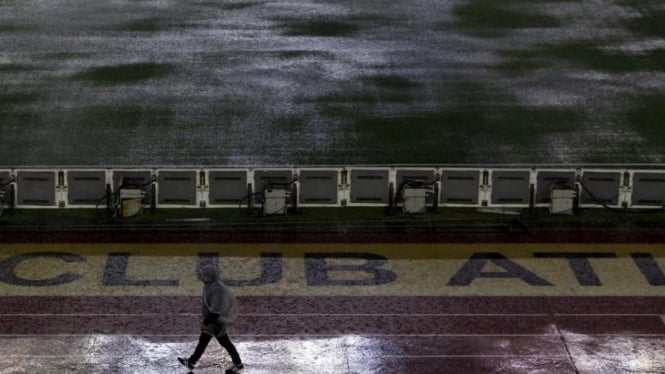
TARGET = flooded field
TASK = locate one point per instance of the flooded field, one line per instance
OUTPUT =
(97, 82)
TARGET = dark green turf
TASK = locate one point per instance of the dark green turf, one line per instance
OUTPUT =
(128, 121)
(480, 115)
(588, 55)
(125, 73)
(390, 82)
(241, 5)
(126, 117)
(596, 58)
(15, 68)
(321, 27)
(520, 61)
(447, 135)
(152, 24)
(291, 124)
(64, 56)
(366, 92)
(495, 18)
(647, 117)
(293, 54)
(650, 24)
(7, 99)
(15, 27)
(349, 102)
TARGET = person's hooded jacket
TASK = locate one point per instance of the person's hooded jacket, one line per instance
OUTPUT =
(220, 306)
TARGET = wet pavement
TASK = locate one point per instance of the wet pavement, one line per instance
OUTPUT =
(338, 339)
(310, 82)
(361, 308)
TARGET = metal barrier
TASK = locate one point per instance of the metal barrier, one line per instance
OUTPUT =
(336, 186)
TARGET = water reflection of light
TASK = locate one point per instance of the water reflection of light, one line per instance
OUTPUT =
(614, 354)
(263, 354)
(319, 354)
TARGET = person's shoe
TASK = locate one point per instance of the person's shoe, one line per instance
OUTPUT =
(185, 362)
(236, 368)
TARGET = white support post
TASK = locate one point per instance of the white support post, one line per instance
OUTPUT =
(295, 173)
(343, 187)
(438, 172)
(108, 176)
(392, 177)
(626, 188)
(61, 188)
(203, 188)
(250, 180)
(392, 180)
(485, 186)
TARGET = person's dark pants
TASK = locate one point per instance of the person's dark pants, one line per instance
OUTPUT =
(223, 340)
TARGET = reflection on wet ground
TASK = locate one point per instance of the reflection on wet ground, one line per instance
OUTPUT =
(338, 354)
(304, 81)
(339, 335)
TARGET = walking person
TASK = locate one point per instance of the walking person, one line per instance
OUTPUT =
(219, 312)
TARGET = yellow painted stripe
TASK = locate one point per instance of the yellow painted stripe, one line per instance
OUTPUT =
(419, 269)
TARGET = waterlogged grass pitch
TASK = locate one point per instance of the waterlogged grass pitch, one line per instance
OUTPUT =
(329, 82)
